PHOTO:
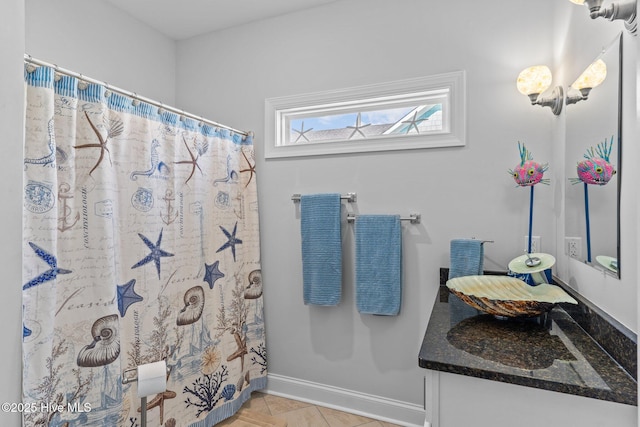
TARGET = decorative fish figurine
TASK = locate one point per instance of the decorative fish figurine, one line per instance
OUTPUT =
(528, 172)
(597, 168)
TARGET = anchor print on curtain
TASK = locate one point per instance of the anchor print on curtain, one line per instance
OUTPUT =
(141, 244)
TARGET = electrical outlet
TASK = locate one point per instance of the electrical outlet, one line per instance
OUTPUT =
(573, 247)
(535, 244)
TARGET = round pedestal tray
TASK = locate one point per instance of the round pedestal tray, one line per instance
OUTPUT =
(534, 264)
(610, 263)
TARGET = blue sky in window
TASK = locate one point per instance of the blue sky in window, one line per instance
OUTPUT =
(338, 121)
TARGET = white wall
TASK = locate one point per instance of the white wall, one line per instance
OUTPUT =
(460, 192)
(12, 124)
(102, 42)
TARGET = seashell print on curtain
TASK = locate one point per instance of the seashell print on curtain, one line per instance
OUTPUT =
(141, 244)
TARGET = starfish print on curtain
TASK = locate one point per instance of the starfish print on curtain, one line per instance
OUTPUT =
(193, 162)
(127, 296)
(251, 169)
(155, 254)
(232, 242)
(212, 273)
(50, 274)
(114, 129)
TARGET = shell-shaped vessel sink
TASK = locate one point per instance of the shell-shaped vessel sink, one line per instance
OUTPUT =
(507, 296)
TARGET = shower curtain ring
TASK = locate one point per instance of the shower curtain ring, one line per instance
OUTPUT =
(82, 84)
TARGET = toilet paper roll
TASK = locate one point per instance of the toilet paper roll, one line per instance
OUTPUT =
(152, 378)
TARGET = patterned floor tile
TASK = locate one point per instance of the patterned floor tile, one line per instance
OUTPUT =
(304, 417)
(278, 405)
(337, 418)
(257, 404)
(302, 414)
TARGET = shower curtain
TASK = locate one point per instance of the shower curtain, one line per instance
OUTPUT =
(141, 244)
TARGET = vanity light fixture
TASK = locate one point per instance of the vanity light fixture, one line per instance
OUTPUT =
(533, 81)
(622, 9)
(592, 77)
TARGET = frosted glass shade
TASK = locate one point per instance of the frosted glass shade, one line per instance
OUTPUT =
(593, 76)
(577, 1)
(534, 80)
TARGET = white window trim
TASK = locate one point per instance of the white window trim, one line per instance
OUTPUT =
(455, 82)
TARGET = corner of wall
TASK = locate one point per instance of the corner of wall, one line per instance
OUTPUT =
(11, 122)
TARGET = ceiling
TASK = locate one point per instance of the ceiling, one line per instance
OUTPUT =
(183, 19)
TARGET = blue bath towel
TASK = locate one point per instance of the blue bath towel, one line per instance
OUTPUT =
(378, 264)
(321, 248)
(466, 257)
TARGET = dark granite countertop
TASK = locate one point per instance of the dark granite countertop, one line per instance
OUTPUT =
(550, 352)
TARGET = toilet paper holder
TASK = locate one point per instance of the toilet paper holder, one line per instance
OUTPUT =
(127, 378)
(131, 376)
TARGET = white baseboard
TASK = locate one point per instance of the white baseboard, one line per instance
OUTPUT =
(367, 405)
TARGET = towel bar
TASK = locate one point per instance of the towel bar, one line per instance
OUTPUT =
(350, 197)
(414, 218)
(484, 241)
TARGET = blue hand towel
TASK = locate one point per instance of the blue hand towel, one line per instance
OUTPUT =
(321, 248)
(466, 257)
(378, 264)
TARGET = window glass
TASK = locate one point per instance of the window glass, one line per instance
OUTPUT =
(419, 113)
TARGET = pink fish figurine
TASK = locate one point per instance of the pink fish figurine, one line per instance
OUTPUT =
(528, 172)
(596, 169)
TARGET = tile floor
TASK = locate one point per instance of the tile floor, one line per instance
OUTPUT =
(301, 414)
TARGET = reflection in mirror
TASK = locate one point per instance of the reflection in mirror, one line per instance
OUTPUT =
(593, 155)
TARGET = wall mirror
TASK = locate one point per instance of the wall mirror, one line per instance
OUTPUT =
(593, 130)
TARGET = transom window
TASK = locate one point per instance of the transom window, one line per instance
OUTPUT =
(410, 114)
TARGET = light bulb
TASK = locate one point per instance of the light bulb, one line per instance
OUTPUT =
(534, 80)
(593, 76)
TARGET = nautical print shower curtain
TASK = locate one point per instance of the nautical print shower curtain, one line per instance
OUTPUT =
(140, 245)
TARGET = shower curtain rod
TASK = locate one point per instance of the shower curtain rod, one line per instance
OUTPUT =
(31, 60)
